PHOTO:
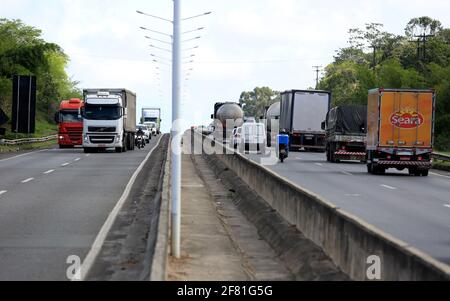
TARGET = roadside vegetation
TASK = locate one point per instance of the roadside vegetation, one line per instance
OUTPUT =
(375, 58)
(24, 52)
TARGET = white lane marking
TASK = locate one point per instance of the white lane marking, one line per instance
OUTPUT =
(100, 239)
(319, 164)
(49, 172)
(298, 158)
(347, 173)
(3, 192)
(23, 155)
(448, 206)
(353, 195)
(65, 164)
(77, 159)
(439, 175)
(388, 187)
(27, 180)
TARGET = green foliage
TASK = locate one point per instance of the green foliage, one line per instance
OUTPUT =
(255, 102)
(24, 52)
(396, 62)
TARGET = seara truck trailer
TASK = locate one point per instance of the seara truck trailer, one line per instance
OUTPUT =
(301, 115)
(400, 130)
(109, 120)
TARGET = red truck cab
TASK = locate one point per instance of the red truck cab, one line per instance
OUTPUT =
(70, 133)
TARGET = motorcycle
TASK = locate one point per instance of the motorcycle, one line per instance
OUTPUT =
(283, 147)
(139, 140)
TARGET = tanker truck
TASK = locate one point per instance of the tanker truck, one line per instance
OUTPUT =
(272, 122)
(227, 116)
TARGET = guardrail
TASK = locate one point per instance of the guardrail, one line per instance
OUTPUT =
(27, 140)
(348, 240)
(441, 157)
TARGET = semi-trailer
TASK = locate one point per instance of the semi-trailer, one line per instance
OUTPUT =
(227, 116)
(345, 128)
(109, 119)
(400, 130)
(301, 115)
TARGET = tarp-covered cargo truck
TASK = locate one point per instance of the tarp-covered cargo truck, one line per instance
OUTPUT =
(346, 133)
(400, 130)
(301, 116)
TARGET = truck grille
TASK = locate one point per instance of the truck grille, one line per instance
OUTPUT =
(101, 139)
(75, 134)
(98, 129)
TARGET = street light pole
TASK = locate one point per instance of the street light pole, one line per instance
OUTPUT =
(176, 131)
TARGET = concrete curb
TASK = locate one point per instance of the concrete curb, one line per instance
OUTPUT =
(348, 240)
(159, 263)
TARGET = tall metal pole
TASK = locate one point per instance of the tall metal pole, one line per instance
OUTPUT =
(176, 134)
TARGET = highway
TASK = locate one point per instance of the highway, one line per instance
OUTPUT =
(53, 203)
(413, 209)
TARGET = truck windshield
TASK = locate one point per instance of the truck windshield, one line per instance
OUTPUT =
(102, 112)
(150, 119)
(70, 116)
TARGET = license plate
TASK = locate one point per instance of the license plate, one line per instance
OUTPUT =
(404, 153)
(404, 158)
(102, 145)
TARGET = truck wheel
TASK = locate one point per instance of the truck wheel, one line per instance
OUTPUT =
(86, 150)
(425, 173)
(118, 150)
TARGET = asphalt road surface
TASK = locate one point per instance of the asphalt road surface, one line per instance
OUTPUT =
(53, 204)
(413, 209)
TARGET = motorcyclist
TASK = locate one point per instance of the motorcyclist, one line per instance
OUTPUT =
(140, 134)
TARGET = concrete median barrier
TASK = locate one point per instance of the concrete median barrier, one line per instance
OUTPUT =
(349, 241)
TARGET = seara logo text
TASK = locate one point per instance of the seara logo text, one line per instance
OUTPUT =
(407, 119)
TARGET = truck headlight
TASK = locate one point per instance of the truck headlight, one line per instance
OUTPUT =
(61, 137)
(86, 139)
(117, 138)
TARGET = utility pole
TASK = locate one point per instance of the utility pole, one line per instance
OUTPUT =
(423, 39)
(176, 133)
(176, 130)
(374, 59)
(317, 74)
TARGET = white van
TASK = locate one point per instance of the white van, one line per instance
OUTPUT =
(251, 136)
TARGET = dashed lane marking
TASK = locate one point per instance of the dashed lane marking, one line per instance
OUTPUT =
(49, 171)
(27, 180)
(65, 164)
(388, 187)
(3, 192)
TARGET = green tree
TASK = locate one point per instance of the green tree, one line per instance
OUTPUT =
(254, 102)
(24, 52)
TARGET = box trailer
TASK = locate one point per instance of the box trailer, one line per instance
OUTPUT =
(301, 115)
(400, 130)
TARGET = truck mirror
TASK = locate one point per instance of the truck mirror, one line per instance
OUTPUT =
(212, 116)
(324, 126)
(56, 117)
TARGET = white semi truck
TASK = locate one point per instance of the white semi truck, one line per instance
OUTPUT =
(152, 118)
(109, 120)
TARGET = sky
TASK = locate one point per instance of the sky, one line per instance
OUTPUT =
(245, 43)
